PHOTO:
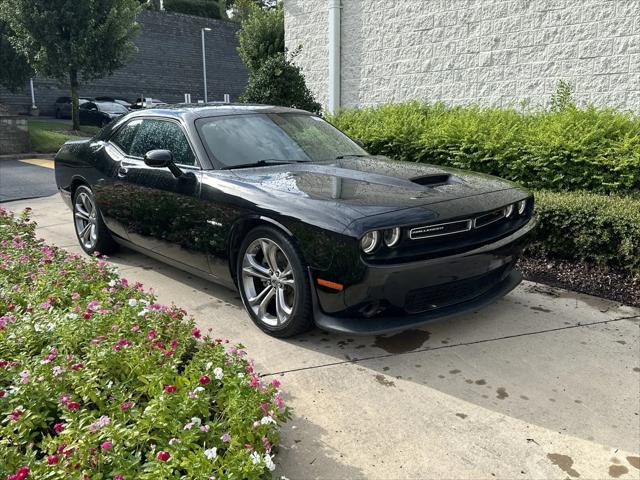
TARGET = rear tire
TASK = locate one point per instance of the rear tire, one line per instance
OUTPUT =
(93, 235)
(274, 284)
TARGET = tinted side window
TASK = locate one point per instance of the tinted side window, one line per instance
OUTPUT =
(162, 135)
(124, 137)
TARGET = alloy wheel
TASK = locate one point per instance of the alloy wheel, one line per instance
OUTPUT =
(86, 221)
(268, 282)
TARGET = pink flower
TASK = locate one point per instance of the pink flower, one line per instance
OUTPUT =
(151, 335)
(2, 393)
(163, 456)
(170, 388)
(118, 477)
(204, 380)
(126, 406)
(15, 415)
(59, 427)
(77, 366)
(204, 428)
(196, 332)
(225, 437)
(276, 383)
(22, 473)
(106, 445)
(73, 405)
(52, 459)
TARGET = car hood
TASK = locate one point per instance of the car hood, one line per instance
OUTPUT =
(372, 185)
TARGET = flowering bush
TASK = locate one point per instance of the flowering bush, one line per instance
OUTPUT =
(98, 381)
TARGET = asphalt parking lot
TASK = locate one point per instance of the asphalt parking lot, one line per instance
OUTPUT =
(26, 178)
(544, 383)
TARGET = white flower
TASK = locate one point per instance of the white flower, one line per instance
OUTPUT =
(211, 453)
(144, 301)
(196, 420)
(110, 384)
(71, 316)
(174, 441)
(37, 327)
(241, 375)
(112, 283)
(132, 302)
(267, 420)
(268, 461)
(143, 312)
(218, 373)
(255, 458)
(208, 366)
(198, 389)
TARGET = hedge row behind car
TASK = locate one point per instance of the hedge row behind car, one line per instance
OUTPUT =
(584, 226)
(99, 381)
(594, 149)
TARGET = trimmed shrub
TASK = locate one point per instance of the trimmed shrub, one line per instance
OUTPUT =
(594, 149)
(97, 380)
(584, 226)
(199, 8)
(280, 82)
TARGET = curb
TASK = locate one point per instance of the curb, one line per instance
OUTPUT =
(21, 156)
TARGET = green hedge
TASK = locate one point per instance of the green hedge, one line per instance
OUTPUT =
(199, 8)
(594, 149)
(586, 226)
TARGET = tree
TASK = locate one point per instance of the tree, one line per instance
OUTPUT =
(242, 9)
(72, 39)
(280, 82)
(15, 69)
(261, 36)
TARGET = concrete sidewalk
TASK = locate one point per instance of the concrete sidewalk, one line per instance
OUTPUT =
(543, 384)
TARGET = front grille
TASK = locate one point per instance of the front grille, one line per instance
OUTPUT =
(443, 295)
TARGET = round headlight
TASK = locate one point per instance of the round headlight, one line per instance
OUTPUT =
(508, 211)
(391, 237)
(522, 204)
(370, 241)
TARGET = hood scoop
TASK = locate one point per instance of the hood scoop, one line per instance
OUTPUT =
(432, 180)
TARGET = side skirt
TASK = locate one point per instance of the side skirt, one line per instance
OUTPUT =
(179, 265)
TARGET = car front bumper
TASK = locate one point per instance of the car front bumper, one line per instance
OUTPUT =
(411, 294)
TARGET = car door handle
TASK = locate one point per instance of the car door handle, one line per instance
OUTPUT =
(122, 171)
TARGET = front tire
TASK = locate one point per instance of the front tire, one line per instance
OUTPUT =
(273, 283)
(90, 229)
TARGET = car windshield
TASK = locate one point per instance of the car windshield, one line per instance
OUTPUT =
(110, 107)
(241, 140)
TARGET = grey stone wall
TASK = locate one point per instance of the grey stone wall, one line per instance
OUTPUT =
(14, 135)
(491, 52)
(168, 64)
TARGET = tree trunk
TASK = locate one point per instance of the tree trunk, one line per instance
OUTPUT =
(75, 114)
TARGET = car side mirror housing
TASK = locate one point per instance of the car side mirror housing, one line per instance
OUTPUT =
(162, 159)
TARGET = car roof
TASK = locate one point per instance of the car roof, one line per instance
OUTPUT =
(200, 110)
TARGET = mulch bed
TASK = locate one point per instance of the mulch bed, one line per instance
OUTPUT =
(582, 277)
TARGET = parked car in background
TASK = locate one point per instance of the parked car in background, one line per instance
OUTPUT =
(62, 107)
(100, 113)
(125, 103)
(140, 103)
(307, 225)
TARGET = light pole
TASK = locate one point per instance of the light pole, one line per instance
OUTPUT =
(204, 62)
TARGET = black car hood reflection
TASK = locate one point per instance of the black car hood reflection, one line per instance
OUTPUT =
(372, 185)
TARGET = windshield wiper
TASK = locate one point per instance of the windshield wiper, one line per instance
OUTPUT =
(263, 163)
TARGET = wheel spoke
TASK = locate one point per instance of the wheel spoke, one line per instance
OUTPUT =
(282, 309)
(270, 250)
(84, 234)
(260, 296)
(81, 213)
(262, 309)
(255, 269)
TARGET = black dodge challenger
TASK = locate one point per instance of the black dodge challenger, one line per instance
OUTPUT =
(309, 228)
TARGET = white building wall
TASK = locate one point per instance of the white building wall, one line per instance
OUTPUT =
(491, 52)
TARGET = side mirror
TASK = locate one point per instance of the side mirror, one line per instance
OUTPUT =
(162, 159)
(158, 158)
